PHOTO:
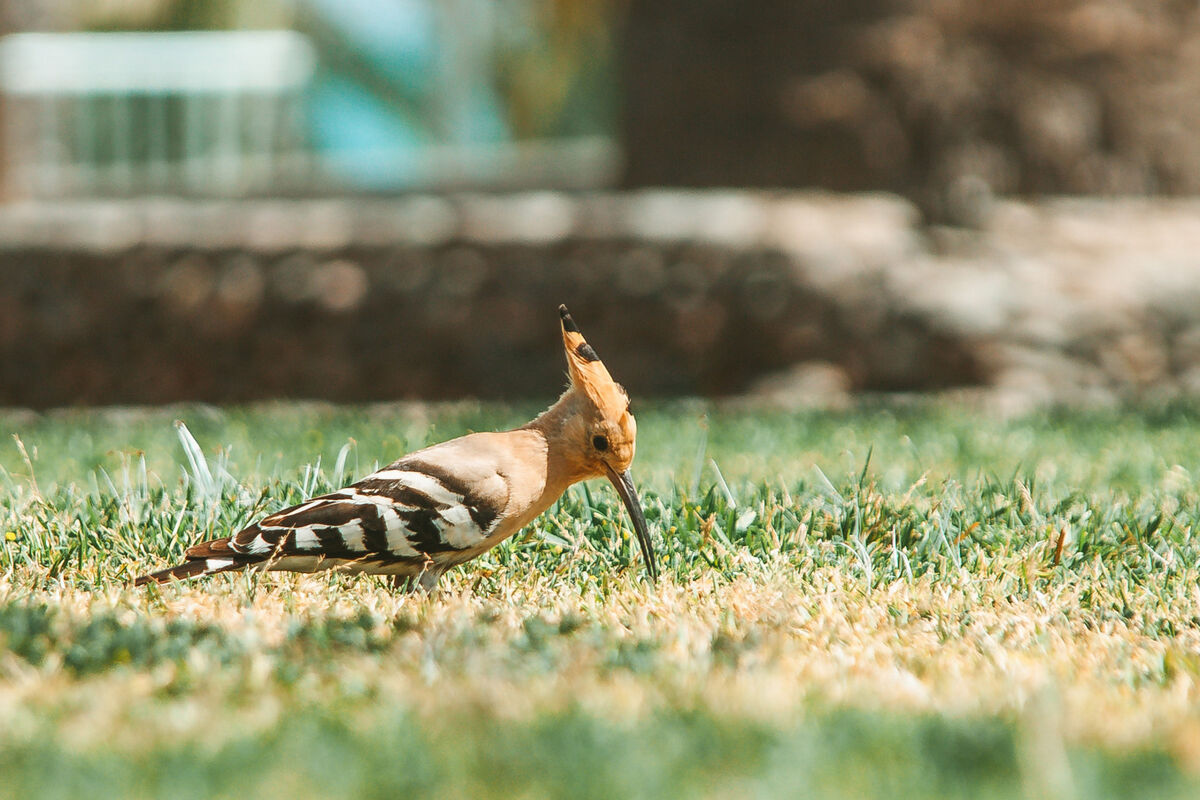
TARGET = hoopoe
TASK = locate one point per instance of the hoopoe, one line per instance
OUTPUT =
(444, 505)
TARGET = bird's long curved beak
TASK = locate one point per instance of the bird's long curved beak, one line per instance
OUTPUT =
(623, 483)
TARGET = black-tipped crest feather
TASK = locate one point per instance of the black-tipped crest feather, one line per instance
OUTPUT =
(567, 323)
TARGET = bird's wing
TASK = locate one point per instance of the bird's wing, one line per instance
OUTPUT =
(408, 513)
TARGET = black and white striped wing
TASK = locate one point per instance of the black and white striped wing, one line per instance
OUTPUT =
(400, 520)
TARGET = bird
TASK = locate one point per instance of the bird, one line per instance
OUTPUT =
(439, 507)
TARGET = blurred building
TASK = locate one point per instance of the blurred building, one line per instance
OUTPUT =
(305, 97)
(946, 102)
(228, 200)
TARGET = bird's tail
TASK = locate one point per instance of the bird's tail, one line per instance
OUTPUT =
(192, 568)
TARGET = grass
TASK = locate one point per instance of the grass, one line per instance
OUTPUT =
(889, 601)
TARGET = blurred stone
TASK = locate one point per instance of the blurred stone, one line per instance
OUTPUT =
(219, 224)
(840, 237)
(107, 228)
(967, 178)
(1135, 359)
(542, 217)
(272, 226)
(1059, 119)
(959, 295)
(1189, 381)
(339, 285)
(165, 222)
(700, 326)
(812, 384)
(836, 97)
(599, 214)
(1062, 300)
(187, 284)
(661, 216)
(292, 277)
(140, 272)
(426, 221)
(242, 283)
(1185, 350)
(534, 217)
(13, 324)
(325, 225)
(730, 219)
(640, 272)
(765, 292)
(1049, 376)
(236, 298)
(461, 273)
(405, 270)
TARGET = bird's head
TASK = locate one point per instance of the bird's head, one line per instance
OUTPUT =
(602, 433)
(603, 424)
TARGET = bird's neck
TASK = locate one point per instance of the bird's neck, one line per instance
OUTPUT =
(554, 419)
(564, 427)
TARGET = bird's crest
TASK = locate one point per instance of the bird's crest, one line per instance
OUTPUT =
(588, 373)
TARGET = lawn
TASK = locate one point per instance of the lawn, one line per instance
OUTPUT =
(891, 601)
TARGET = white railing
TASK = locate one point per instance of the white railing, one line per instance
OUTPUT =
(201, 112)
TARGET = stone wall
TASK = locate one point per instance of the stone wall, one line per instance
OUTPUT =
(784, 295)
(947, 103)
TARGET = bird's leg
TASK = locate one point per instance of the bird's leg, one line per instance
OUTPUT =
(426, 581)
(402, 583)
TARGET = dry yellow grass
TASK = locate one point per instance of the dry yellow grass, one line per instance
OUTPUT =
(777, 642)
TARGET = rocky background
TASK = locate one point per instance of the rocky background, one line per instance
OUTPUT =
(951, 130)
(790, 297)
(947, 102)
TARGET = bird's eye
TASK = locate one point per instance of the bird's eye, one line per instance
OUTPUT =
(600, 443)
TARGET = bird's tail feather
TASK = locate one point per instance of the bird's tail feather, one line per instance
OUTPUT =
(192, 568)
